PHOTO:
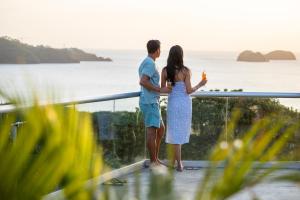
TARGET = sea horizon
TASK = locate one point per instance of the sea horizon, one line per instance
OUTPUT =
(93, 79)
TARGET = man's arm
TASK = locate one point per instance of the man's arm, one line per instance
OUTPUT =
(145, 82)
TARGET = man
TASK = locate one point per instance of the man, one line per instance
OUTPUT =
(149, 100)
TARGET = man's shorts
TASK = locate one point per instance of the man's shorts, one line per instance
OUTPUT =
(151, 114)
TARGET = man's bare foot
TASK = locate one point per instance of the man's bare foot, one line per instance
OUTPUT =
(161, 162)
(153, 164)
(157, 166)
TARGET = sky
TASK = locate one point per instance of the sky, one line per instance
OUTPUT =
(204, 25)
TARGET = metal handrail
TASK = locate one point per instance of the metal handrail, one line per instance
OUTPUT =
(248, 94)
(9, 108)
(196, 94)
(103, 98)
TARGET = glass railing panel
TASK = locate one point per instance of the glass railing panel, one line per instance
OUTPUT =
(208, 121)
(212, 122)
(119, 130)
(130, 131)
(283, 114)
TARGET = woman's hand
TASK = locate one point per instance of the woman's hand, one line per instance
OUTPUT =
(202, 82)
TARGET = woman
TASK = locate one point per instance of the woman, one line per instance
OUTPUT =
(179, 109)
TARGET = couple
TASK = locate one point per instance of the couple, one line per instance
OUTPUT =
(176, 81)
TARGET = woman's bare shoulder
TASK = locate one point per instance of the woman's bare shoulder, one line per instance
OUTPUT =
(186, 70)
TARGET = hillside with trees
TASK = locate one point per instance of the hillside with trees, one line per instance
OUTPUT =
(13, 51)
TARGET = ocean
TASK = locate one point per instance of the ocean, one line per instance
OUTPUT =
(94, 79)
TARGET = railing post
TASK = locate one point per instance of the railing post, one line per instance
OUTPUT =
(145, 144)
(114, 105)
(114, 143)
(226, 119)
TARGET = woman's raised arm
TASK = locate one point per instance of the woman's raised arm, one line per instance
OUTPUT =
(188, 85)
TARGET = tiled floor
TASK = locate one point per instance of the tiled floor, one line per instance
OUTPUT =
(185, 185)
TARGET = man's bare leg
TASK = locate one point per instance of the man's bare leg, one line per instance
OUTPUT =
(151, 143)
(160, 134)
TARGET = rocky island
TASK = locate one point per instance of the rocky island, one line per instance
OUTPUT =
(280, 55)
(13, 51)
(250, 56)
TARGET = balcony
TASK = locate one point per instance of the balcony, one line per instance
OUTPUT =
(119, 130)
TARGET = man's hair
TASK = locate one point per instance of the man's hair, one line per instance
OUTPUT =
(153, 46)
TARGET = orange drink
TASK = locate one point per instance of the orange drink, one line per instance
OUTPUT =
(203, 75)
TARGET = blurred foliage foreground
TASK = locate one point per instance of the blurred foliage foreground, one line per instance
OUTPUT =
(56, 148)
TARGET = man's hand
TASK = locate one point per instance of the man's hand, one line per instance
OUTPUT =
(165, 90)
(145, 82)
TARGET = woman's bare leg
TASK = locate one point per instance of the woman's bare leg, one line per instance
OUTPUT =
(171, 155)
(178, 157)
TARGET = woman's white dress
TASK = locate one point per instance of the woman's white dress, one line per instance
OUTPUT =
(179, 115)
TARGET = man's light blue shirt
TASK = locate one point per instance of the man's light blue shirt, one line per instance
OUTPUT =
(149, 69)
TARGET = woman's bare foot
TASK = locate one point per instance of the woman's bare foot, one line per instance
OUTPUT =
(179, 167)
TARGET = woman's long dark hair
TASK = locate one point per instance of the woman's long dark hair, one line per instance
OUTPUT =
(174, 63)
